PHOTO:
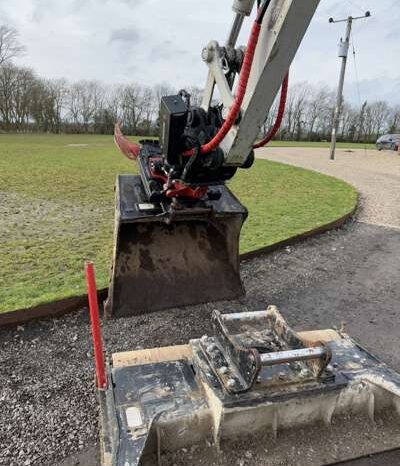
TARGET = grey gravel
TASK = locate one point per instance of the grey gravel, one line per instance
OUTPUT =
(47, 398)
(376, 175)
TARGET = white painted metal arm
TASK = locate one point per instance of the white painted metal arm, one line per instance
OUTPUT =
(283, 29)
(242, 8)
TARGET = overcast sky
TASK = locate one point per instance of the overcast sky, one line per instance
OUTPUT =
(155, 41)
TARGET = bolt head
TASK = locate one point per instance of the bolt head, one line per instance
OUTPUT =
(225, 112)
(211, 348)
(231, 383)
(224, 370)
(207, 54)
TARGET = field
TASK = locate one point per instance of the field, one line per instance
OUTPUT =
(57, 208)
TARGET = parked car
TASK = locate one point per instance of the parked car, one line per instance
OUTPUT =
(388, 141)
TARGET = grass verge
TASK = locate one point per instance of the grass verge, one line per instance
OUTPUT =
(57, 208)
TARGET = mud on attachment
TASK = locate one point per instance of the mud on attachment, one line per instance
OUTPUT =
(164, 258)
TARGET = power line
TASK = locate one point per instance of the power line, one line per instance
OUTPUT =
(362, 106)
(356, 69)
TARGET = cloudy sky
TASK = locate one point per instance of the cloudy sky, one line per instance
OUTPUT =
(156, 41)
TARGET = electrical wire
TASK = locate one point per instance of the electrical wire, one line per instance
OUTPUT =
(357, 80)
(355, 69)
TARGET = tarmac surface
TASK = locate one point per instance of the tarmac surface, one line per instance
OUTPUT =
(47, 397)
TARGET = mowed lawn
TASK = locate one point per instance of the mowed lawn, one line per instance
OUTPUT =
(57, 209)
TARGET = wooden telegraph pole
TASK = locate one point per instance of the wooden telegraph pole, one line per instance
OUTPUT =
(343, 52)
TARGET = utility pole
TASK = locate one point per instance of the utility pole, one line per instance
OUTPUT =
(343, 51)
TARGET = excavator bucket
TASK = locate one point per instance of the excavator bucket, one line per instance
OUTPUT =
(164, 258)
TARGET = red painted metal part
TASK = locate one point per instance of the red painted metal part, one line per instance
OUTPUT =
(128, 148)
(162, 177)
(281, 111)
(95, 323)
(177, 189)
(181, 190)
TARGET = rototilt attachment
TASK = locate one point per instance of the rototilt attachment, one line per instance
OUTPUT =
(253, 376)
(166, 256)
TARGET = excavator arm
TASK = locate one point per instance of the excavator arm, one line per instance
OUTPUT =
(282, 30)
(177, 223)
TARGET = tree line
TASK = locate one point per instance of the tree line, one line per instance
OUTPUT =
(30, 103)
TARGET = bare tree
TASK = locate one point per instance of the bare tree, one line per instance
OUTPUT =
(196, 95)
(295, 109)
(30, 103)
(394, 120)
(360, 123)
(73, 103)
(148, 104)
(58, 90)
(376, 116)
(161, 90)
(10, 46)
(9, 82)
(318, 111)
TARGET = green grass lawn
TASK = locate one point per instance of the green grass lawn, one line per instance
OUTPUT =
(57, 209)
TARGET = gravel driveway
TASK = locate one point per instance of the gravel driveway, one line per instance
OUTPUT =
(376, 175)
(47, 399)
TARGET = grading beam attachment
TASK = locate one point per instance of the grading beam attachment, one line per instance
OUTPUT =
(254, 375)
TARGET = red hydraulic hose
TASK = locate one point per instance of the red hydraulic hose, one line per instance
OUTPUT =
(241, 90)
(281, 110)
(95, 322)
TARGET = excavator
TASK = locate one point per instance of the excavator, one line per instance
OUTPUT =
(177, 229)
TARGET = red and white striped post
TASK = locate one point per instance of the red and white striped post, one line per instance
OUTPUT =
(95, 323)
